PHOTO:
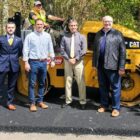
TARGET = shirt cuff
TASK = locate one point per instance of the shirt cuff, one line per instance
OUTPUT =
(25, 59)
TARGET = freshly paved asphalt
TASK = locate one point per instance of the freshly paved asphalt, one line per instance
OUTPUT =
(68, 120)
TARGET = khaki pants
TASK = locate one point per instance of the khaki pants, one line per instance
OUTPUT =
(78, 70)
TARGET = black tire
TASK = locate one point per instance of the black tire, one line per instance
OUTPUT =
(130, 87)
(47, 84)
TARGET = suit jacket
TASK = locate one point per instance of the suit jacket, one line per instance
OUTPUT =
(9, 55)
(79, 43)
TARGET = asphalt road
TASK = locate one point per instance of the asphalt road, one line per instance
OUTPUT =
(68, 120)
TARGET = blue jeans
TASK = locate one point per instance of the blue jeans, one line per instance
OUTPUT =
(38, 74)
(109, 79)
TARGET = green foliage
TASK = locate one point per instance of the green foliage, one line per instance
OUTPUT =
(9, 7)
(124, 12)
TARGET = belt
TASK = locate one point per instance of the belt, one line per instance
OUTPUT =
(41, 60)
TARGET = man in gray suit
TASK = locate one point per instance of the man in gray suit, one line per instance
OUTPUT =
(73, 48)
(109, 56)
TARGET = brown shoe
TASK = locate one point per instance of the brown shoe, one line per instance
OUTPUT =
(33, 108)
(42, 105)
(11, 107)
(101, 109)
(115, 113)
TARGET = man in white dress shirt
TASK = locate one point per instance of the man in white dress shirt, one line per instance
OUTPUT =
(37, 48)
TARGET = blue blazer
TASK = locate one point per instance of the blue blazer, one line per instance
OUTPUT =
(9, 55)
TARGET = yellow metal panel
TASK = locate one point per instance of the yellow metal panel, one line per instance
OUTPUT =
(56, 81)
(95, 26)
(132, 54)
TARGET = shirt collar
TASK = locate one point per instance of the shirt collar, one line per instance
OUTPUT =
(10, 36)
(107, 31)
(73, 33)
(38, 33)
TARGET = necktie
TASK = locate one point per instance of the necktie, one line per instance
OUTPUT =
(10, 40)
(72, 47)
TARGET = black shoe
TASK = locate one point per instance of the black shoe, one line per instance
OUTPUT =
(65, 105)
(82, 106)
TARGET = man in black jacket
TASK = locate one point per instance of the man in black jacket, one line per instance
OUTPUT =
(109, 58)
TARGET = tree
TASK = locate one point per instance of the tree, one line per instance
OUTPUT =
(4, 14)
(125, 12)
(8, 8)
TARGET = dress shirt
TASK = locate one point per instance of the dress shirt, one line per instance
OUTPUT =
(102, 49)
(38, 46)
(10, 36)
(80, 46)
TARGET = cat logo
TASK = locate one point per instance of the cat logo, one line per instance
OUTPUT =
(134, 44)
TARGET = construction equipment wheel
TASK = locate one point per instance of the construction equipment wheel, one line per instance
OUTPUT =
(22, 82)
(130, 87)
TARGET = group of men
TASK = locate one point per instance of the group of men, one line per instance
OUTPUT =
(108, 59)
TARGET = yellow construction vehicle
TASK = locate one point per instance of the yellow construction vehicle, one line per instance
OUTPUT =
(130, 81)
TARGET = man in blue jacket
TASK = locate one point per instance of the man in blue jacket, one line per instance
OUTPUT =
(109, 58)
(10, 50)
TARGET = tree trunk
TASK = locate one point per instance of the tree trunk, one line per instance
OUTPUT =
(5, 15)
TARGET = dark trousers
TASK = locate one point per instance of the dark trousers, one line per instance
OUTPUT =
(109, 79)
(12, 79)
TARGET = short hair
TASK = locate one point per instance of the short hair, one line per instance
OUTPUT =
(72, 20)
(109, 17)
(10, 22)
(39, 19)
